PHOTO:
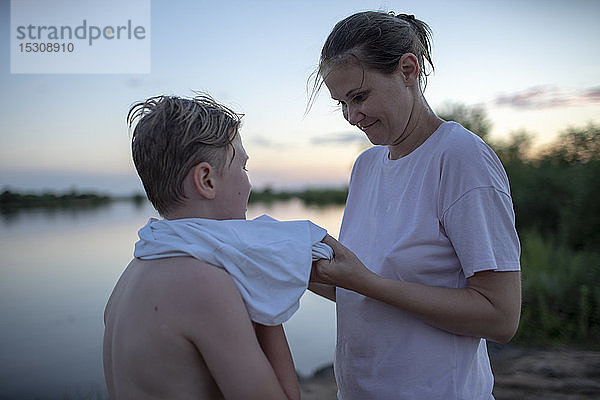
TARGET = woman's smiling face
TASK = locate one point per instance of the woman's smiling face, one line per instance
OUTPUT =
(379, 104)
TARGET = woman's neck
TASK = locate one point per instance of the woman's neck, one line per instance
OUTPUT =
(422, 124)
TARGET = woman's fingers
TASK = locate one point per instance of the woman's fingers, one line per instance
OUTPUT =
(338, 248)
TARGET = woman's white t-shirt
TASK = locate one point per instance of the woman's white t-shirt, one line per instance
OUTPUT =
(435, 217)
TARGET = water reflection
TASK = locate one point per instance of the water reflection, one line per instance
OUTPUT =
(57, 272)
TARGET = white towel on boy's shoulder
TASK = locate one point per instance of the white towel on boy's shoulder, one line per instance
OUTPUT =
(269, 260)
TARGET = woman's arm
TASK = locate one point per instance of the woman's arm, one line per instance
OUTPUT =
(488, 307)
(322, 289)
(274, 344)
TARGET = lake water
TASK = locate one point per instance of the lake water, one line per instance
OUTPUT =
(58, 269)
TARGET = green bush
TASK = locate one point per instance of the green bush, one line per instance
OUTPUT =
(561, 296)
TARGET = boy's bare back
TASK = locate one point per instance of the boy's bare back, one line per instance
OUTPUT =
(177, 328)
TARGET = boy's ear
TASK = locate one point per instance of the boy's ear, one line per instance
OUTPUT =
(203, 178)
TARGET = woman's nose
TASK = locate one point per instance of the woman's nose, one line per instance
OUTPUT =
(354, 116)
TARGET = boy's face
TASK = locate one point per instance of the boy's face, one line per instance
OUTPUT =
(234, 185)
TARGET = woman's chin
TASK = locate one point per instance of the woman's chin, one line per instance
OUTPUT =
(376, 140)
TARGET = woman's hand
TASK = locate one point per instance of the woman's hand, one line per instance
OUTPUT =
(345, 270)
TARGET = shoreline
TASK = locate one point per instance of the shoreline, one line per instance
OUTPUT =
(520, 372)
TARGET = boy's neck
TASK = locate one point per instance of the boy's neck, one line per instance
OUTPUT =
(189, 212)
(197, 212)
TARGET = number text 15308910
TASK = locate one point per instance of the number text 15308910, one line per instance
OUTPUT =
(56, 47)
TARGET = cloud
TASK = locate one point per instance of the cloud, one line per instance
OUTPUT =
(337, 138)
(593, 94)
(548, 96)
(340, 138)
(263, 142)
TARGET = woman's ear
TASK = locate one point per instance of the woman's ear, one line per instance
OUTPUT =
(203, 179)
(409, 68)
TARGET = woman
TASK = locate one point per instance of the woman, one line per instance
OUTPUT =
(429, 266)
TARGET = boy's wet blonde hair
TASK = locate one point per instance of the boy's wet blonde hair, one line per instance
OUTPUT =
(173, 134)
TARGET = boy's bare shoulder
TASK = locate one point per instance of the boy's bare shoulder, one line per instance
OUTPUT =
(182, 283)
(198, 299)
(199, 283)
(185, 276)
(193, 273)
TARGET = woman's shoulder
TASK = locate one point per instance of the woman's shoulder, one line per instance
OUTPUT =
(372, 154)
(453, 136)
(367, 163)
(457, 144)
(468, 159)
(373, 151)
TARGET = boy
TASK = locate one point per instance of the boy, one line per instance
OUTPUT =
(177, 327)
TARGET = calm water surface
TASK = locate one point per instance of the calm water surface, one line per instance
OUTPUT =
(57, 271)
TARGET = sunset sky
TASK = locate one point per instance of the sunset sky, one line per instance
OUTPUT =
(533, 65)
